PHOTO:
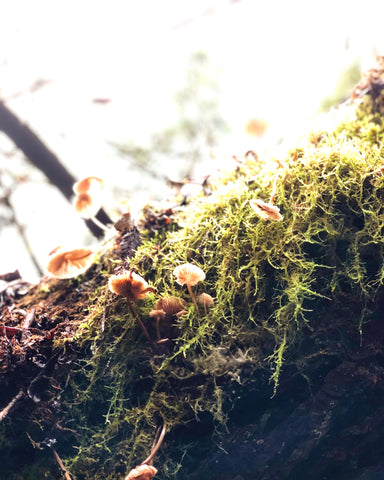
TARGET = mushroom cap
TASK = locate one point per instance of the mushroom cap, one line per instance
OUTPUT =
(69, 263)
(142, 472)
(188, 274)
(205, 300)
(171, 305)
(256, 127)
(86, 184)
(265, 211)
(130, 285)
(158, 314)
(87, 205)
(88, 198)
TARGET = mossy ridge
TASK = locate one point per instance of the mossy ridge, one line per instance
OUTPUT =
(321, 193)
(269, 280)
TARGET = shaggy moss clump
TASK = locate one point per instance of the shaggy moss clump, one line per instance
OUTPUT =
(273, 283)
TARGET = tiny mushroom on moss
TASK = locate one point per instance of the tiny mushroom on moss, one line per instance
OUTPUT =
(133, 287)
(265, 211)
(130, 285)
(69, 263)
(206, 300)
(189, 275)
(86, 205)
(145, 471)
(142, 472)
(88, 200)
(171, 306)
(167, 308)
(87, 184)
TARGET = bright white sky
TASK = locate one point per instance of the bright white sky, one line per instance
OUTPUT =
(276, 60)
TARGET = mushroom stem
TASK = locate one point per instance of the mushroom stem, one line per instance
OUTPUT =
(158, 328)
(4, 412)
(156, 446)
(274, 186)
(193, 298)
(142, 326)
(97, 222)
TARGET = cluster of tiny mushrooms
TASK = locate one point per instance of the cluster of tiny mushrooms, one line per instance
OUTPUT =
(69, 263)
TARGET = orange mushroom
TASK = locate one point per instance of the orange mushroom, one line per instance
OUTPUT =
(265, 211)
(133, 287)
(142, 472)
(145, 471)
(70, 263)
(167, 308)
(206, 300)
(88, 200)
(189, 275)
(87, 184)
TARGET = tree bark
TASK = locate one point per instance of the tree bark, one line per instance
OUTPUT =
(42, 158)
(36, 151)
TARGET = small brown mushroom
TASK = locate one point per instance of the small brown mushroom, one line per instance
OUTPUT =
(189, 275)
(86, 205)
(205, 300)
(167, 308)
(145, 471)
(130, 285)
(142, 472)
(88, 200)
(70, 263)
(171, 306)
(86, 184)
(133, 287)
(265, 211)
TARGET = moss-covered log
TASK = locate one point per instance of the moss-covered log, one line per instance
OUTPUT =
(281, 378)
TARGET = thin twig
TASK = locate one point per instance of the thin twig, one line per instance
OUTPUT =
(4, 412)
(28, 320)
(61, 464)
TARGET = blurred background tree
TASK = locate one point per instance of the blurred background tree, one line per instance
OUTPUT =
(199, 126)
(349, 78)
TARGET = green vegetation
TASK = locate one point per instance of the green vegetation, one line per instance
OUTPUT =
(274, 283)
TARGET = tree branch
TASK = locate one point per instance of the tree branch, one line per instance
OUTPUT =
(43, 159)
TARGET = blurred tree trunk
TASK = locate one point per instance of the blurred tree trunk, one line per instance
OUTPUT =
(42, 158)
(36, 151)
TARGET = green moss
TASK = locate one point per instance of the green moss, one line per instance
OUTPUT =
(273, 282)
(269, 280)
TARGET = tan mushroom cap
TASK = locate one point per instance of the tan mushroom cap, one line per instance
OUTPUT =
(265, 211)
(205, 299)
(70, 263)
(171, 305)
(87, 205)
(142, 472)
(89, 197)
(188, 274)
(86, 184)
(157, 314)
(130, 285)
